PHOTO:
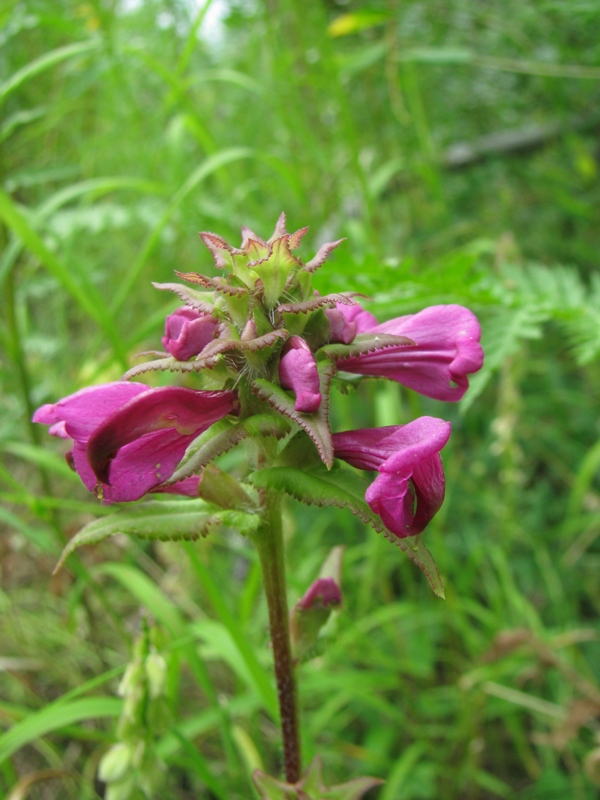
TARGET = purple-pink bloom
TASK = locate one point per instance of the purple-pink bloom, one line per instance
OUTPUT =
(346, 321)
(298, 372)
(324, 592)
(409, 489)
(187, 332)
(129, 438)
(445, 352)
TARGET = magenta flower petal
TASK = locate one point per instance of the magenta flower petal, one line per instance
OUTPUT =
(187, 332)
(188, 487)
(77, 415)
(323, 591)
(133, 447)
(447, 350)
(362, 321)
(340, 329)
(180, 413)
(409, 489)
(139, 467)
(298, 372)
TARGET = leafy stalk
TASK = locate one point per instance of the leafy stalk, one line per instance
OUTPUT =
(269, 541)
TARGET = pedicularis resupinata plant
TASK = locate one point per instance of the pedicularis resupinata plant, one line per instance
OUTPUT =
(264, 348)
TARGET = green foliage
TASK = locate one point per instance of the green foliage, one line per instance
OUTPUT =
(128, 127)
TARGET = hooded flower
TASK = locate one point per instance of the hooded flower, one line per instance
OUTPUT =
(445, 352)
(187, 332)
(409, 489)
(298, 371)
(131, 438)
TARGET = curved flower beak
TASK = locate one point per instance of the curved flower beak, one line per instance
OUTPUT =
(447, 350)
(409, 489)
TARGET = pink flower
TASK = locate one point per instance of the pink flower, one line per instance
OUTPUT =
(324, 593)
(187, 332)
(130, 438)
(346, 321)
(445, 352)
(298, 372)
(409, 489)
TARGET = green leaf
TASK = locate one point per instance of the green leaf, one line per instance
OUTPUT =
(363, 343)
(343, 489)
(53, 717)
(167, 520)
(311, 786)
(315, 425)
(201, 301)
(92, 305)
(172, 365)
(275, 270)
(45, 62)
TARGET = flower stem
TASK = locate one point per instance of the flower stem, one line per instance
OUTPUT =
(269, 542)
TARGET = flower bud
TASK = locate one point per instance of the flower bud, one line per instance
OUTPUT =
(156, 670)
(187, 332)
(298, 371)
(115, 763)
(311, 613)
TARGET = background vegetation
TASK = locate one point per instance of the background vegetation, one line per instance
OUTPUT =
(455, 143)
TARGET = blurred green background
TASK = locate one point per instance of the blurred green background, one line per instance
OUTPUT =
(455, 143)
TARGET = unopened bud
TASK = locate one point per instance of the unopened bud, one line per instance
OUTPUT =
(115, 763)
(156, 670)
(311, 613)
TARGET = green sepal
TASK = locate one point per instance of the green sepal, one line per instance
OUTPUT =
(221, 489)
(275, 269)
(315, 425)
(363, 343)
(249, 277)
(221, 437)
(209, 445)
(167, 520)
(311, 786)
(271, 339)
(219, 249)
(238, 307)
(263, 324)
(322, 255)
(317, 330)
(217, 283)
(320, 301)
(201, 301)
(304, 281)
(344, 489)
(172, 365)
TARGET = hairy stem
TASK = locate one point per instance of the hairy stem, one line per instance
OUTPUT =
(272, 559)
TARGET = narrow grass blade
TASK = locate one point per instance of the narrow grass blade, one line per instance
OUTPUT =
(53, 717)
(43, 63)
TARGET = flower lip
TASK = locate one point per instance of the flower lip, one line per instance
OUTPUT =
(146, 441)
(446, 350)
(186, 412)
(409, 488)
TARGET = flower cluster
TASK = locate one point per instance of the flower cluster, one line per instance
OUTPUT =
(264, 347)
